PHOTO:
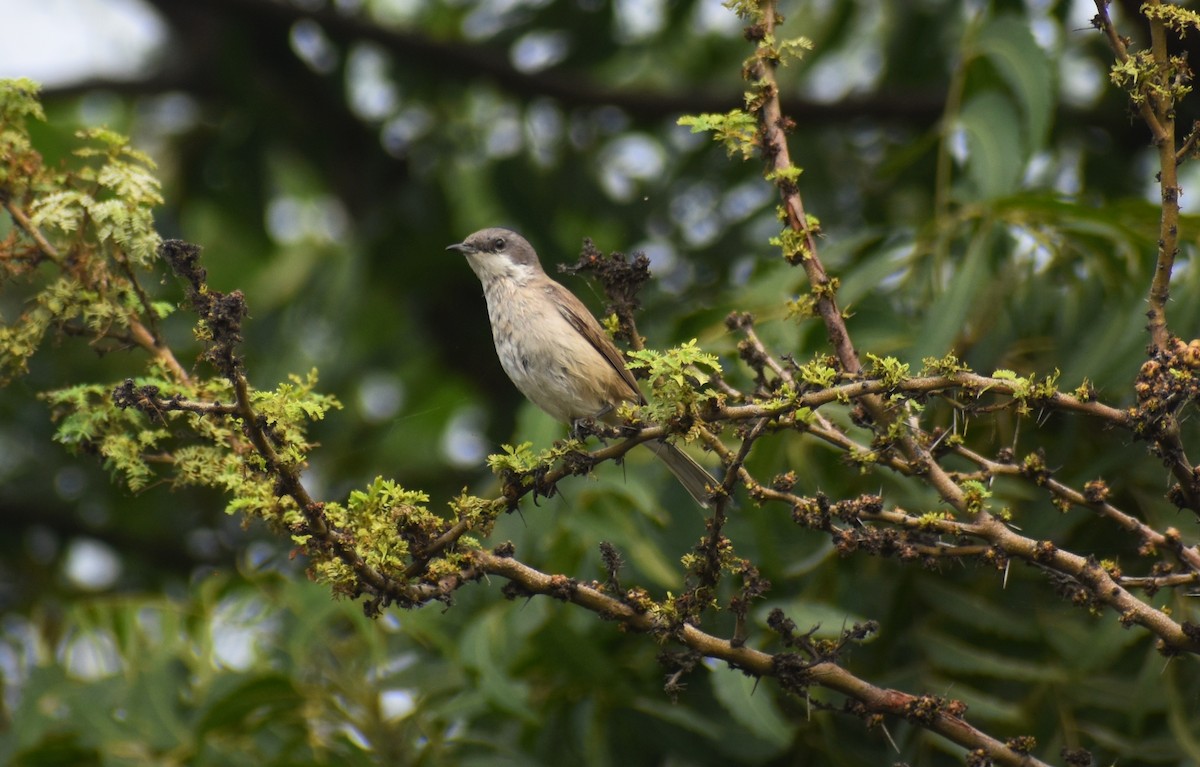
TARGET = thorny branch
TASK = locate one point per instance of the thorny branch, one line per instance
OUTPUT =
(852, 525)
(773, 127)
(796, 671)
(223, 314)
(1155, 98)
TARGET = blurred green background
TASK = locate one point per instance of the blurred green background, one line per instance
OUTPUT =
(981, 188)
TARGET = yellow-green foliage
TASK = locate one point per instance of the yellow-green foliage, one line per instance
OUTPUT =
(93, 221)
(736, 130)
(82, 259)
(794, 245)
(89, 421)
(372, 515)
(116, 197)
(888, 370)
(522, 461)
(1028, 388)
(975, 495)
(287, 411)
(677, 382)
(943, 366)
(1179, 20)
(18, 102)
(819, 372)
(784, 51)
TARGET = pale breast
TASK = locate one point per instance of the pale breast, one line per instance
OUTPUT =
(546, 358)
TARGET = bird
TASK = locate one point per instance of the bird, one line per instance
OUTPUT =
(553, 349)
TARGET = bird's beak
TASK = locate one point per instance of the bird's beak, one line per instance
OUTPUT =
(461, 247)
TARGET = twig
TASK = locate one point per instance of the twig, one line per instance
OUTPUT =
(1157, 109)
(775, 149)
(1102, 587)
(1188, 148)
(1104, 23)
(936, 715)
(35, 234)
(1189, 556)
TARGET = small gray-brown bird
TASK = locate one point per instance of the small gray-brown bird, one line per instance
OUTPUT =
(554, 350)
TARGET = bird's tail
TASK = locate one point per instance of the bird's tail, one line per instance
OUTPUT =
(690, 474)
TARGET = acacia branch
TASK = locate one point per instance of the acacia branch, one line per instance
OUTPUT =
(1096, 499)
(1100, 586)
(772, 127)
(1154, 98)
(139, 333)
(1152, 583)
(1168, 244)
(969, 383)
(1103, 21)
(1096, 585)
(22, 220)
(1155, 104)
(794, 674)
(222, 314)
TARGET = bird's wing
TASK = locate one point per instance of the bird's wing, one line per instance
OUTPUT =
(574, 312)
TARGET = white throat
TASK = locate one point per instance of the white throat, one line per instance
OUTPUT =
(491, 268)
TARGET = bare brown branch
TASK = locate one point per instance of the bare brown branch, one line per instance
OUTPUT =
(794, 674)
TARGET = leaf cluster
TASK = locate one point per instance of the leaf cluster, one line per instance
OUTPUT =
(678, 383)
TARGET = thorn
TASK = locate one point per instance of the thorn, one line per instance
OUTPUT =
(888, 735)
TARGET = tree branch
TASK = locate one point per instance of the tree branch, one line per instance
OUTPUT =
(139, 333)
(794, 674)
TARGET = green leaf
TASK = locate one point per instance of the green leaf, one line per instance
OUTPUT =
(19, 98)
(751, 705)
(736, 130)
(1008, 45)
(995, 158)
(484, 647)
(243, 708)
(952, 655)
(944, 320)
(967, 608)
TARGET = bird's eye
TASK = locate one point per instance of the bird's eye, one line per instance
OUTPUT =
(498, 243)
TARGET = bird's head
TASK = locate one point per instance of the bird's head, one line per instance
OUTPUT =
(499, 253)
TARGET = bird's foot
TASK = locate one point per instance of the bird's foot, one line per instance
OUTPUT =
(582, 428)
